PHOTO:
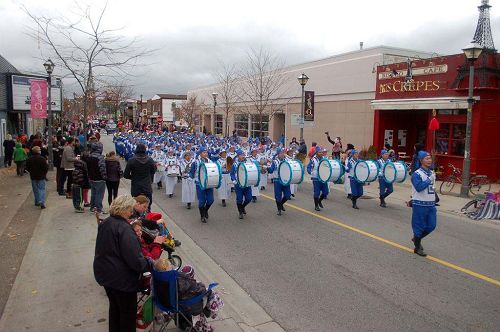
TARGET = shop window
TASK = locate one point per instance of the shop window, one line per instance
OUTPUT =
(241, 124)
(453, 112)
(257, 131)
(219, 123)
(450, 139)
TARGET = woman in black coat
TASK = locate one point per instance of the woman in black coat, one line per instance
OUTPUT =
(119, 263)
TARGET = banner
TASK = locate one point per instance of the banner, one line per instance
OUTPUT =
(21, 92)
(309, 106)
(38, 90)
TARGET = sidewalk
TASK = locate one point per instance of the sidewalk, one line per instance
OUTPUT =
(55, 288)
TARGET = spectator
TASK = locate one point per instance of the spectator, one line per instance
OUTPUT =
(141, 169)
(392, 153)
(60, 175)
(337, 146)
(68, 164)
(114, 173)
(37, 166)
(8, 146)
(152, 250)
(20, 157)
(302, 151)
(119, 263)
(96, 167)
(312, 151)
(80, 183)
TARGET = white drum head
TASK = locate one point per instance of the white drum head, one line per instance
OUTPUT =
(389, 172)
(242, 175)
(324, 170)
(361, 171)
(202, 176)
(285, 173)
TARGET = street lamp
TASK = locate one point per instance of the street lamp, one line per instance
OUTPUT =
(214, 94)
(472, 52)
(49, 67)
(302, 81)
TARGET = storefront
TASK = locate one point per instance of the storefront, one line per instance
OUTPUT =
(409, 94)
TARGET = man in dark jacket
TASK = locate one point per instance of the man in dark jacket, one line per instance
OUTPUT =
(96, 167)
(140, 169)
(37, 166)
(118, 264)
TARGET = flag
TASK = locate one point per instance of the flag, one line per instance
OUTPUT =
(38, 100)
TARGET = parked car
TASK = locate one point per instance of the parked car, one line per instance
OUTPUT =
(111, 128)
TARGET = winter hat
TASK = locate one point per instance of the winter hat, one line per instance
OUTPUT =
(239, 152)
(384, 151)
(189, 270)
(36, 150)
(155, 216)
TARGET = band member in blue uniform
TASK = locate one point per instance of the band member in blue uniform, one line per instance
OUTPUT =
(205, 196)
(281, 192)
(356, 186)
(320, 188)
(385, 189)
(241, 193)
(423, 218)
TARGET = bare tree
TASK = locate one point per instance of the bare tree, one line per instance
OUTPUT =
(262, 85)
(88, 52)
(113, 95)
(190, 110)
(227, 79)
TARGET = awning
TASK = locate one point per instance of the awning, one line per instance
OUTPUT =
(421, 103)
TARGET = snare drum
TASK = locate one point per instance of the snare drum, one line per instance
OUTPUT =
(394, 172)
(330, 170)
(248, 174)
(366, 171)
(173, 170)
(290, 172)
(209, 175)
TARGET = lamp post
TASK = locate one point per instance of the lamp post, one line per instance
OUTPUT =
(302, 81)
(214, 94)
(472, 52)
(49, 67)
(139, 115)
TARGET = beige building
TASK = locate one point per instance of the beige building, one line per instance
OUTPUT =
(344, 87)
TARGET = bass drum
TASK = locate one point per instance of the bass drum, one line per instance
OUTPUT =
(248, 174)
(394, 172)
(209, 175)
(366, 171)
(330, 170)
(290, 172)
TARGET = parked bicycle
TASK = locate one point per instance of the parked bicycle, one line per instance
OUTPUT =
(477, 183)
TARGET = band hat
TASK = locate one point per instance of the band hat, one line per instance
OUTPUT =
(383, 151)
(240, 152)
(422, 154)
(353, 152)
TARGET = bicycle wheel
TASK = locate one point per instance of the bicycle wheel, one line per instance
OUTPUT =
(479, 185)
(466, 207)
(176, 262)
(447, 185)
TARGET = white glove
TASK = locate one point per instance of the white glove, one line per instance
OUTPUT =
(235, 182)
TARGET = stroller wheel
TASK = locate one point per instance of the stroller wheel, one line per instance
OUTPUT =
(176, 261)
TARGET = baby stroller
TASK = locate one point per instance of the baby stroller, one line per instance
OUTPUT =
(166, 300)
(169, 245)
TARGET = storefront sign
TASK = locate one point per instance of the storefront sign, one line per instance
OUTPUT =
(38, 98)
(411, 86)
(419, 71)
(309, 106)
(21, 95)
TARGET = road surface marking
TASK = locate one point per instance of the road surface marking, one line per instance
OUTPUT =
(391, 243)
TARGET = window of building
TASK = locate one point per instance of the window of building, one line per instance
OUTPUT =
(241, 124)
(219, 124)
(260, 128)
(450, 139)
(452, 112)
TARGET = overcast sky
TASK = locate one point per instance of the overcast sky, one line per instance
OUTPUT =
(193, 37)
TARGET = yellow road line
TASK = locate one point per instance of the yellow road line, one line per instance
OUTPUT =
(391, 243)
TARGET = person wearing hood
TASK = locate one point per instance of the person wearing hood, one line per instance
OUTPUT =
(96, 167)
(8, 146)
(38, 167)
(423, 218)
(20, 157)
(140, 169)
(114, 172)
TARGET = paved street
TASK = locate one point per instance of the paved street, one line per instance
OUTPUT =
(341, 269)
